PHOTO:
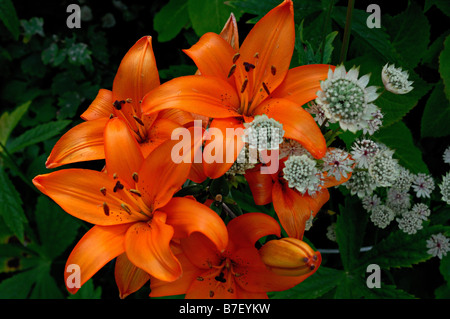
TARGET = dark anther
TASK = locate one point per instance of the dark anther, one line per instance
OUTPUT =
(118, 105)
(236, 57)
(135, 177)
(244, 85)
(117, 186)
(273, 70)
(315, 257)
(211, 293)
(305, 259)
(248, 66)
(103, 190)
(106, 209)
(220, 278)
(312, 267)
(233, 68)
(137, 119)
(266, 88)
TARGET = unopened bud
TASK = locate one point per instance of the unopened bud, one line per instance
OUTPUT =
(290, 257)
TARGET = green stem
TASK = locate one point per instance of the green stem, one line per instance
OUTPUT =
(347, 31)
(326, 19)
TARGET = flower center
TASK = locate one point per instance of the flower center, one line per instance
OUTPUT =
(263, 133)
(346, 99)
(125, 109)
(220, 277)
(302, 174)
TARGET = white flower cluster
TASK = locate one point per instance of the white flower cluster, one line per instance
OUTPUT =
(438, 245)
(302, 174)
(381, 216)
(423, 185)
(411, 221)
(446, 155)
(337, 163)
(263, 133)
(318, 113)
(347, 100)
(445, 188)
(395, 80)
(291, 147)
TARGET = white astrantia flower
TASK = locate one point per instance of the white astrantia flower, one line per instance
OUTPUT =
(381, 216)
(337, 163)
(369, 202)
(383, 168)
(331, 232)
(397, 200)
(302, 174)
(423, 185)
(422, 210)
(346, 99)
(374, 124)
(438, 245)
(446, 155)
(409, 222)
(243, 162)
(445, 188)
(361, 184)
(395, 80)
(291, 147)
(363, 151)
(404, 179)
(309, 222)
(317, 113)
(263, 133)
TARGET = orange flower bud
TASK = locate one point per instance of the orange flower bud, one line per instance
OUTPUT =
(290, 257)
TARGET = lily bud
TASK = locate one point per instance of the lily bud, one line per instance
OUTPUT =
(290, 257)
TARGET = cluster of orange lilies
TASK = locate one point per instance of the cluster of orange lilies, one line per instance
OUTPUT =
(180, 245)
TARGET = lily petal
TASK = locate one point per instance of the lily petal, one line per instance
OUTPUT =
(302, 83)
(122, 152)
(187, 216)
(298, 124)
(88, 195)
(260, 185)
(230, 32)
(161, 175)
(158, 133)
(248, 228)
(96, 248)
(272, 40)
(223, 145)
(129, 278)
(137, 75)
(213, 56)
(101, 107)
(293, 209)
(84, 142)
(204, 95)
(148, 247)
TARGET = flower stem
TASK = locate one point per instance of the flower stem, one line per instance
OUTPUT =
(347, 31)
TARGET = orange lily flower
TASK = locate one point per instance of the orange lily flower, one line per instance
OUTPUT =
(137, 74)
(236, 86)
(238, 272)
(133, 209)
(293, 208)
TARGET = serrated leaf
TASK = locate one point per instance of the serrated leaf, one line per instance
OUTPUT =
(87, 291)
(386, 292)
(171, 19)
(398, 137)
(436, 114)
(45, 286)
(208, 16)
(11, 206)
(254, 7)
(37, 134)
(53, 55)
(350, 286)
(9, 121)
(19, 285)
(9, 17)
(328, 48)
(400, 249)
(315, 286)
(57, 230)
(444, 66)
(350, 225)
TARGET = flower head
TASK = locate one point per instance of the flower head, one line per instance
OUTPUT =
(422, 210)
(445, 188)
(363, 151)
(383, 168)
(263, 133)
(369, 202)
(337, 163)
(409, 222)
(346, 99)
(404, 179)
(361, 183)
(374, 124)
(423, 185)
(446, 155)
(291, 147)
(395, 80)
(438, 245)
(398, 201)
(318, 113)
(382, 216)
(302, 174)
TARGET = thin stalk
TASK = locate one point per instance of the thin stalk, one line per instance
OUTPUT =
(347, 30)
(326, 19)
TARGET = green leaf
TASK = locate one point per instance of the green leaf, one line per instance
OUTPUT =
(68, 103)
(444, 268)
(254, 7)
(87, 291)
(9, 121)
(53, 55)
(37, 134)
(19, 285)
(9, 17)
(45, 286)
(315, 286)
(171, 19)
(350, 286)
(444, 66)
(435, 116)
(400, 249)
(350, 225)
(11, 206)
(208, 16)
(386, 292)
(328, 49)
(246, 202)
(57, 229)
(399, 138)
(442, 292)
(443, 5)
(31, 27)
(410, 33)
